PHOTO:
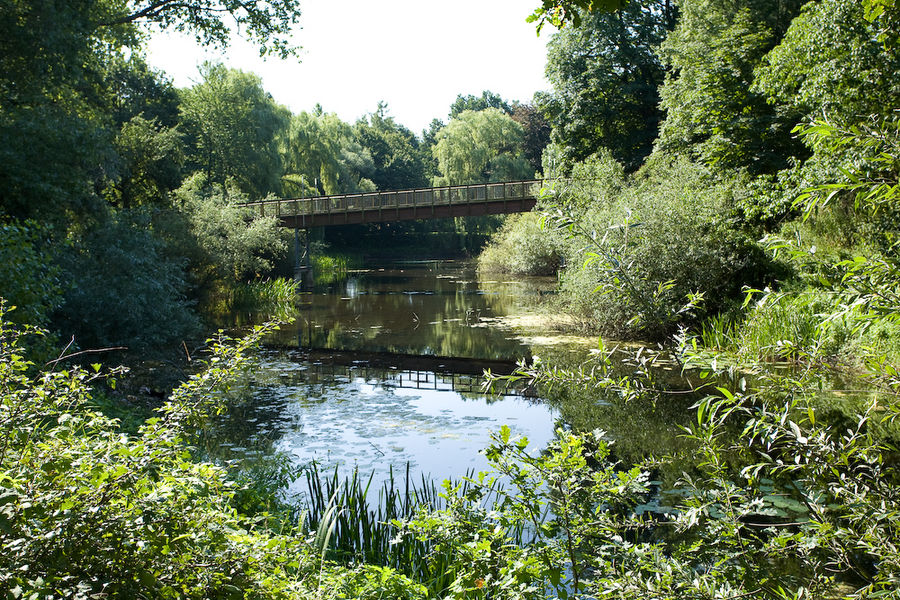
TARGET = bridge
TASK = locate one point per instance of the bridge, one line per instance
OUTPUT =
(403, 205)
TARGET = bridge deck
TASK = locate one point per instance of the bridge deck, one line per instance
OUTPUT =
(404, 205)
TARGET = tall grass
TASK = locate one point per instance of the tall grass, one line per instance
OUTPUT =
(274, 296)
(719, 333)
(785, 326)
(328, 268)
(362, 529)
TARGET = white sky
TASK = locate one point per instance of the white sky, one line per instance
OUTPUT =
(416, 55)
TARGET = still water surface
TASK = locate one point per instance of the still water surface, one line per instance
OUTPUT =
(365, 399)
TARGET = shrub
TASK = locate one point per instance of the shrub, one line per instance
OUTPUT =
(522, 247)
(237, 243)
(653, 251)
(89, 512)
(125, 291)
(29, 277)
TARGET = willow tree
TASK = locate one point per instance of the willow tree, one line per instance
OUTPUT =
(321, 155)
(479, 147)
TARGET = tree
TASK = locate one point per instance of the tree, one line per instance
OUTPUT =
(234, 125)
(56, 60)
(479, 147)
(713, 112)
(536, 133)
(606, 76)
(396, 154)
(53, 136)
(149, 163)
(488, 99)
(127, 289)
(561, 12)
(832, 62)
(321, 155)
(268, 23)
(135, 89)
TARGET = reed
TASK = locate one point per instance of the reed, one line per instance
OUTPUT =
(360, 520)
(328, 268)
(274, 296)
(787, 327)
(362, 529)
(718, 333)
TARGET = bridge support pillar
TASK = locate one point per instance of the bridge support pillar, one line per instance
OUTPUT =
(302, 257)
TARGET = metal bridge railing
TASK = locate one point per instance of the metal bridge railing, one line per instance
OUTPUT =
(429, 197)
(318, 373)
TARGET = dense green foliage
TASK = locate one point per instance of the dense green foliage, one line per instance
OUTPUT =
(520, 248)
(713, 112)
(663, 245)
(30, 280)
(488, 99)
(233, 123)
(792, 491)
(236, 242)
(89, 512)
(606, 78)
(148, 307)
(398, 160)
(480, 146)
(686, 134)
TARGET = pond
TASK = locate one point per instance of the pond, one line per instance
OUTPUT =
(382, 370)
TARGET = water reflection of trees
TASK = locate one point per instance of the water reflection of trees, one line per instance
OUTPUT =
(417, 310)
(641, 426)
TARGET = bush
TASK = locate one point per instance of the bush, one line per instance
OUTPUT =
(522, 247)
(125, 290)
(89, 512)
(660, 254)
(29, 276)
(238, 244)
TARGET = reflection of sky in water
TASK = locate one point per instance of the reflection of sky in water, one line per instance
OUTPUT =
(429, 308)
(368, 425)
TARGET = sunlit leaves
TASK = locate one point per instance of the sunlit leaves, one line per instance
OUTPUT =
(478, 147)
(322, 155)
(605, 76)
(559, 13)
(87, 510)
(267, 23)
(570, 505)
(234, 125)
(713, 110)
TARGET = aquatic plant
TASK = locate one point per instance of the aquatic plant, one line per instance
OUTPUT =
(367, 524)
(273, 296)
(363, 529)
(328, 268)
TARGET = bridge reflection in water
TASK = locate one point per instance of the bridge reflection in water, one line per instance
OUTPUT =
(461, 375)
